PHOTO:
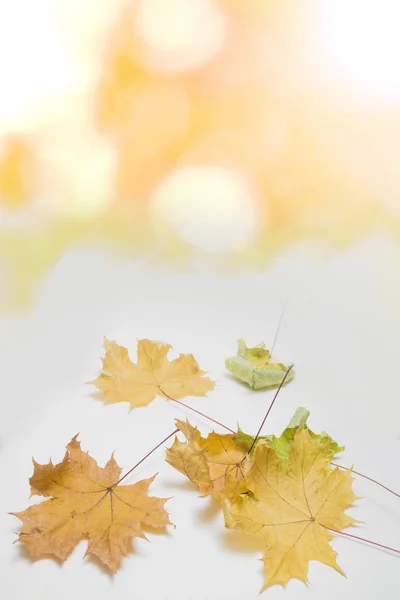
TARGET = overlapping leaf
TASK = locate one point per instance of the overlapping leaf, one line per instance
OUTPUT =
(282, 444)
(294, 508)
(208, 462)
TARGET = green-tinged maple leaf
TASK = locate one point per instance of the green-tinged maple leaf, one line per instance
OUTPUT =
(253, 366)
(283, 443)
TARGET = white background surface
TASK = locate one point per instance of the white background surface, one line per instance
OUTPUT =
(342, 330)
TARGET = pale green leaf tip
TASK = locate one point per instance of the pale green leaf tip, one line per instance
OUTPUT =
(299, 418)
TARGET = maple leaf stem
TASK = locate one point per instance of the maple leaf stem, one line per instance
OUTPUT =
(144, 457)
(366, 477)
(361, 539)
(277, 331)
(198, 412)
(269, 410)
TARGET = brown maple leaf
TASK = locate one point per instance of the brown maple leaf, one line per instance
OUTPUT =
(138, 384)
(87, 503)
(208, 462)
(292, 508)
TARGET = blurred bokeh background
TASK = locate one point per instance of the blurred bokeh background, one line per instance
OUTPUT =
(206, 134)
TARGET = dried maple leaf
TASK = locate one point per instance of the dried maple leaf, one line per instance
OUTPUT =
(154, 374)
(208, 462)
(292, 509)
(87, 504)
(253, 366)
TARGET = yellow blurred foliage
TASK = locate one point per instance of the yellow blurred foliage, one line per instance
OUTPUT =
(17, 171)
(245, 87)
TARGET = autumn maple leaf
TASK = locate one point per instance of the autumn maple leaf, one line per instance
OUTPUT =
(207, 461)
(292, 508)
(86, 502)
(138, 384)
(253, 366)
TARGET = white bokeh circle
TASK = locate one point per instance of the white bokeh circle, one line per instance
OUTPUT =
(212, 208)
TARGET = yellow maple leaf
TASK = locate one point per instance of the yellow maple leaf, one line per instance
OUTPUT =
(86, 503)
(293, 509)
(208, 462)
(138, 384)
